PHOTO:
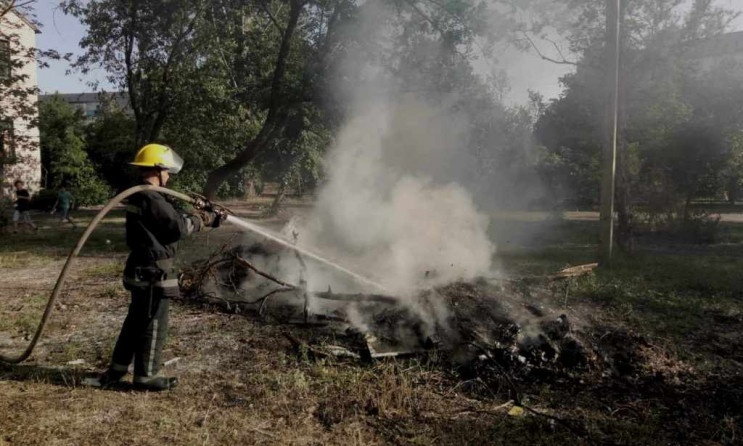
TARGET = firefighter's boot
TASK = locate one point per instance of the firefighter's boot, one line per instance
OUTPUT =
(155, 383)
(109, 379)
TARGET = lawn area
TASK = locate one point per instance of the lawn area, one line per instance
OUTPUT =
(243, 382)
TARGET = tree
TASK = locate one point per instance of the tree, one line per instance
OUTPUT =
(143, 45)
(570, 160)
(63, 152)
(164, 52)
(303, 75)
(109, 142)
(240, 84)
(656, 98)
(277, 107)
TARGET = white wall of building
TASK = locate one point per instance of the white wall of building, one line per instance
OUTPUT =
(28, 152)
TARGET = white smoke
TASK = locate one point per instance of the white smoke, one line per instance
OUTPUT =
(385, 209)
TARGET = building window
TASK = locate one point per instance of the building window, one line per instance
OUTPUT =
(7, 143)
(5, 62)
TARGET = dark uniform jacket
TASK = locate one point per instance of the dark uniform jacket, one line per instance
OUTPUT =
(153, 228)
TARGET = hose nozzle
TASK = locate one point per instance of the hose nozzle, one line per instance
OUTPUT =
(200, 202)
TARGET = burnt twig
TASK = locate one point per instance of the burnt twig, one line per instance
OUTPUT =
(250, 266)
(265, 299)
(577, 431)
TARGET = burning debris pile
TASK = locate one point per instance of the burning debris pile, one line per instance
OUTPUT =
(477, 326)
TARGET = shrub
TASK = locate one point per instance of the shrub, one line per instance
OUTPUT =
(44, 200)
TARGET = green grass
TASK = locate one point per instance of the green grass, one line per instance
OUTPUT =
(682, 302)
(104, 270)
(54, 240)
(23, 259)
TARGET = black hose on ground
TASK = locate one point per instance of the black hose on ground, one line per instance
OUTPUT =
(75, 251)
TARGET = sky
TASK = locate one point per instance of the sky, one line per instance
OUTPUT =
(63, 33)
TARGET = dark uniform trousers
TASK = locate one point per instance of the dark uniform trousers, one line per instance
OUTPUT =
(143, 334)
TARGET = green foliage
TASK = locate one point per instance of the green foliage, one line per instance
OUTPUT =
(223, 81)
(110, 145)
(63, 153)
(218, 81)
(207, 125)
(6, 211)
(296, 162)
(45, 199)
(676, 119)
(570, 157)
(143, 47)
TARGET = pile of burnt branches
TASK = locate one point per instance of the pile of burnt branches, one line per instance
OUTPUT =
(506, 324)
(248, 277)
(228, 278)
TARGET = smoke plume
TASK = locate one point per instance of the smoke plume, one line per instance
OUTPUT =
(388, 208)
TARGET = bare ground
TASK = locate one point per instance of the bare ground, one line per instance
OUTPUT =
(243, 382)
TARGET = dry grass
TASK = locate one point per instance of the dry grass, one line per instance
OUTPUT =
(22, 259)
(242, 382)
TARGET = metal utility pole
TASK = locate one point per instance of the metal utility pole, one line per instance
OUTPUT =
(613, 13)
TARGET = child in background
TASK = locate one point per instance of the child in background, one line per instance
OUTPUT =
(22, 206)
(63, 205)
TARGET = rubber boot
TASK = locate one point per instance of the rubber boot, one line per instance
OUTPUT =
(155, 383)
(108, 379)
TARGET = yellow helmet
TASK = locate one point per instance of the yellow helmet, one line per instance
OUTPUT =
(158, 155)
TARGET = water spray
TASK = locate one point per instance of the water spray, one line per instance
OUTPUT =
(250, 227)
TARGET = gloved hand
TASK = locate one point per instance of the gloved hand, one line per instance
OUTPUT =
(200, 204)
(217, 219)
(210, 219)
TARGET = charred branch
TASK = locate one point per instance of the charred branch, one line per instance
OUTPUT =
(270, 277)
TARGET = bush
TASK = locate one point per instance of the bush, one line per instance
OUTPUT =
(85, 193)
(699, 226)
(63, 154)
(44, 200)
(90, 191)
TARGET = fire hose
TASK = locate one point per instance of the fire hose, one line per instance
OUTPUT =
(197, 201)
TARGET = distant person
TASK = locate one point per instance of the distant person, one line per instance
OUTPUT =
(21, 213)
(64, 203)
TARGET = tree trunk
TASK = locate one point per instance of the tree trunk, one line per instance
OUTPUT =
(250, 189)
(625, 232)
(280, 195)
(248, 153)
(733, 190)
(687, 208)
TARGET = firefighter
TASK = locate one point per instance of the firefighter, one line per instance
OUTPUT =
(153, 228)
